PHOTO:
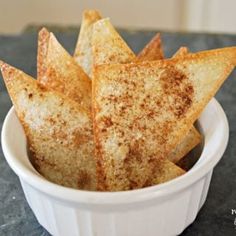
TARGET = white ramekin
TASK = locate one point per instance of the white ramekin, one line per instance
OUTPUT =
(165, 209)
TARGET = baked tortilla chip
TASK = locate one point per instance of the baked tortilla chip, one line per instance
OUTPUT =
(61, 73)
(108, 46)
(183, 51)
(83, 50)
(133, 138)
(152, 51)
(58, 130)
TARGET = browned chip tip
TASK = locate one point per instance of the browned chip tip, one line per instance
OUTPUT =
(153, 50)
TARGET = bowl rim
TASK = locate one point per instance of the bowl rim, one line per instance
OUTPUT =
(36, 181)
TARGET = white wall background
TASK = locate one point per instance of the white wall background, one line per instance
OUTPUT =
(193, 15)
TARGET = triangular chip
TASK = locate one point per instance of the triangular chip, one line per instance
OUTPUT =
(43, 38)
(183, 51)
(152, 51)
(64, 75)
(142, 110)
(83, 50)
(108, 46)
(58, 130)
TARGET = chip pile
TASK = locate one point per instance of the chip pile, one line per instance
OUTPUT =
(106, 119)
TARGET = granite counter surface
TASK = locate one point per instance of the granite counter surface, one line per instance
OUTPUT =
(215, 218)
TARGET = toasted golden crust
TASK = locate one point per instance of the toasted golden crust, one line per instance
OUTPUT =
(58, 130)
(83, 50)
(108, 46)
(64, 75)
(131, 137)
(43, 38)
(152, 51)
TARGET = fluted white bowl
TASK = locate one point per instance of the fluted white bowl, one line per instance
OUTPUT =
(165, 209)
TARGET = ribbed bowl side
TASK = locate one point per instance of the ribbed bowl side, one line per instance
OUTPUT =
(165, 218)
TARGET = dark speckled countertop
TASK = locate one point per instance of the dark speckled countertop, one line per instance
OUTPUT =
(215, 218)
